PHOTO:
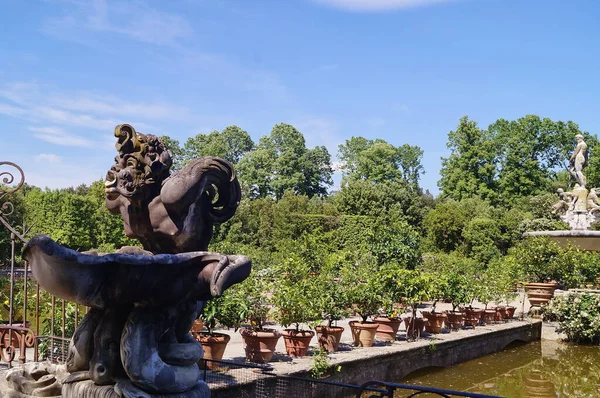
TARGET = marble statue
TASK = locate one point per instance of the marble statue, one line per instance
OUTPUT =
(580, 207)
(135, 341)
(579, 160)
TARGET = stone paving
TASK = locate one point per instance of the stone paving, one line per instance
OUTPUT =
(235, 347)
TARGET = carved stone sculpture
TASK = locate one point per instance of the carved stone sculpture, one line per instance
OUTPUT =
(135, 341)
(579, 160)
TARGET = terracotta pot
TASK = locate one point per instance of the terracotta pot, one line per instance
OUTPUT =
(414, 329)
(260, 345)
(488, 316)
(435, 321)
(472, 316)
(539, 293)
(329, 337)
(213, 347)
(297, 342)
(510, 312)
(455, 319)
(387, 329)
(363, 334)
(197, 326)
(500, 313)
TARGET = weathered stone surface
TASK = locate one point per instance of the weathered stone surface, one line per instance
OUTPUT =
(144, 301)
(168, 213)
(87, 389)
(585, 240)
(123, 279)
(580, 207)
(34, 380)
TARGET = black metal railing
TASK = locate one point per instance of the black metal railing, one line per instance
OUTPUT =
(229, 379)
(391, 388)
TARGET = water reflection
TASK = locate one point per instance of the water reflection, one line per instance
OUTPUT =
(543, 369)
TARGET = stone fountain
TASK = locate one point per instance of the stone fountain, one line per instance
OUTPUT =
(135, 341)
(579, 207)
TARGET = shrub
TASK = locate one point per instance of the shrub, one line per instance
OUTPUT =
(578, 316)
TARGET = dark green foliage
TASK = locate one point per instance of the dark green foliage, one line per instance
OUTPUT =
(511, 160)
(470, 170)
(282, 162)
(445, 223)
(231, 144)
(377, 161)
(482, 237)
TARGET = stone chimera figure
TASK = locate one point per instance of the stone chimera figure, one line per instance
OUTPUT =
(135, 341)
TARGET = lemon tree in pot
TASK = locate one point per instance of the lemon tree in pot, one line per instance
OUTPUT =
(507, 272)
(294, 299)
(259, 341)
(388, 317)
(229, 311)
(489, 289)
(435, 287)
(364, 293)
(539, 268)
(456, 292)
(414, 290)
(332, 304)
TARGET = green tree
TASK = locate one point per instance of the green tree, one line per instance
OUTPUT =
(281, 161)
(471, 167)
(377, 161)
(482, 238)
(66, 217)
(363, 198)
(445, 223)
(231, 144)
(175, 150)
(531, 151)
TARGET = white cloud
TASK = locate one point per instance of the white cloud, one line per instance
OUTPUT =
(45, 105)
(379, 5)
(133, 19)
(10, 110)
(57, 136)
(48, 158)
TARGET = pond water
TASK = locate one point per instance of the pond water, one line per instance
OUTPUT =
(539, 369)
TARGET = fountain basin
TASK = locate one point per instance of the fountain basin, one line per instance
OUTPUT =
(585, 240)
(115, 280)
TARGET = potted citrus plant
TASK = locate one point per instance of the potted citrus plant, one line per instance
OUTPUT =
(332, 304)
(456, 292)
(229, 311)
(364, 293)
(537, 258)
(259, 341)
(414, 291)
(388, 317)
(435, 288)
(294, 301)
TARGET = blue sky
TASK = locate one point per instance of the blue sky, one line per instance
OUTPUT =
(401, 70)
